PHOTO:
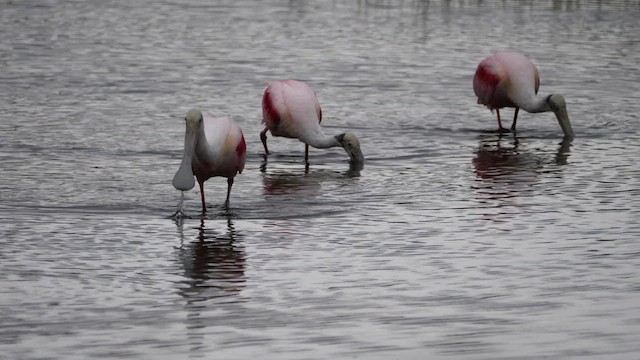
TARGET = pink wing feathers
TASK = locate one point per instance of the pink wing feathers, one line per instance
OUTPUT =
(289, 108)
(504, 79)
(490, 84)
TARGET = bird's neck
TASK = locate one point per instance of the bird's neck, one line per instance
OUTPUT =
(319, 140)
(535, 104)
(202, 145)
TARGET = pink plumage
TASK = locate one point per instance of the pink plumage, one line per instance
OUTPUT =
(504, 77)
(213, 147)
(290, 108)
(508, 79)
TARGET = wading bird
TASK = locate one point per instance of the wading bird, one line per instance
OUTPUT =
(509, 79)
(212, 147)
(290, 109)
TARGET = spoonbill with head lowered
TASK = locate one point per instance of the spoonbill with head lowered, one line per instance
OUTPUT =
(212, 147)
(509, 79)
(290, 109)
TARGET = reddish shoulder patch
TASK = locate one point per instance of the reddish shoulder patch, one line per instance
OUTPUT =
(241, 149)
(270, 115)
(487, 77)
(485, 84)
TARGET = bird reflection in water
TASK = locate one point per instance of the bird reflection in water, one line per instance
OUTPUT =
(499, 162)
(509, 167)
(213, 263)
(307, 183)
(563, 152)
(281, 183)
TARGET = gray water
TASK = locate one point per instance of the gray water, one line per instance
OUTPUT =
(453, 242)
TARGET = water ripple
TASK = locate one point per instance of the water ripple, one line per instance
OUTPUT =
(453, 241)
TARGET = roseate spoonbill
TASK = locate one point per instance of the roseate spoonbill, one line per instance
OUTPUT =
(290, 109)
(212, 147)
(509, 79)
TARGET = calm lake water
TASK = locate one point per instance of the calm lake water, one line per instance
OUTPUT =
(453, 242)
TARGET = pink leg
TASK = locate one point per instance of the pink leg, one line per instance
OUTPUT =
(515, 117)
(204, 208)
(263, 137)
(500, 128)
(229, 185)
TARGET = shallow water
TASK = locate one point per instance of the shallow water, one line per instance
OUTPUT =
(452, 242)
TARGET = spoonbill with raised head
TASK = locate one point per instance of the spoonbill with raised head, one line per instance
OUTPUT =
(212, 147)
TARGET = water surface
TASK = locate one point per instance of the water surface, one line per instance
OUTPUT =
(452, 242)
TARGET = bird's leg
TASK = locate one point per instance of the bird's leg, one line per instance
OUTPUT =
(500, 128)
(306, 154)
(229, 185)
(515, 117)
(204, 208)
(263, 137)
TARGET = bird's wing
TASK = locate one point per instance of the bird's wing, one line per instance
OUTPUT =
(318, 109)
(302, 106)
(226, 147)
(537, 78)
(488, 83)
